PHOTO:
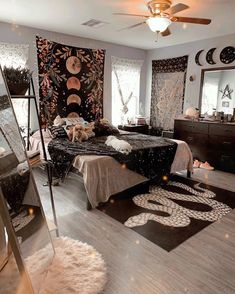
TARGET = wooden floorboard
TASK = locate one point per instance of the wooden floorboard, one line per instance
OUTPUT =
(204, 264)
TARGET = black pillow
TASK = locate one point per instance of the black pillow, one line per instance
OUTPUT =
(104, 129)
(58, 132)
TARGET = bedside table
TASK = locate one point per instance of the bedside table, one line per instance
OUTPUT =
(143, 129)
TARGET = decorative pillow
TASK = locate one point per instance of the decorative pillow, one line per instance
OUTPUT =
(58, 132)
(104, 129)
(72, 121)
(58, 121)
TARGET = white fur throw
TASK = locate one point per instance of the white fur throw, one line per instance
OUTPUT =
(119, 145)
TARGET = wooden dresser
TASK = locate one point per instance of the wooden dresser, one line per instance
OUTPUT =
(209, 141)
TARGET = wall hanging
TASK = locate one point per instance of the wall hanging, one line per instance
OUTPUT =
(168, 84)
(209, 56)
(227, 55)
(197, 57)
(70, 81)
(227, 91)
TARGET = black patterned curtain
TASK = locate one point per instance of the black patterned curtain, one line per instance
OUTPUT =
(70, 81)
(168, 84)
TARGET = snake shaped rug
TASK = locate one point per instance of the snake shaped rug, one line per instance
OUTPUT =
(162, 200)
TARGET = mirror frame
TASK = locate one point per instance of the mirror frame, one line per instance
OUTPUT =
(13, 241)
(203, 78)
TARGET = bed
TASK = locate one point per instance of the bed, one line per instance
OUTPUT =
(105, 174)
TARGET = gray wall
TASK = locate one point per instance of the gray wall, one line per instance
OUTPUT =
(26, 35)
(192, 89)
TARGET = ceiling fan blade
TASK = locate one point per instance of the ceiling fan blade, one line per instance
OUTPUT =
(133, 26)
(202, 21)
(128, 14)
(166, 33)
(176, 8)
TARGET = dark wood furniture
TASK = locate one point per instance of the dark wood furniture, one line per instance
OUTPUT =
(143, 129)
(209, 141)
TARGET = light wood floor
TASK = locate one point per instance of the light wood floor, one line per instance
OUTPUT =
(205, 263)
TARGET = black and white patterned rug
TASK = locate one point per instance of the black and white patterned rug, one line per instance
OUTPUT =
(168, 215)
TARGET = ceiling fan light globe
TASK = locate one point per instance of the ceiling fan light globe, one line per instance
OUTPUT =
(158, 23)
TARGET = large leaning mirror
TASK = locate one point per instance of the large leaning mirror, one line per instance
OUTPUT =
(217, 91)
(20, 205)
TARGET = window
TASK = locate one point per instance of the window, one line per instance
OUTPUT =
(125, 89)
(16, 55)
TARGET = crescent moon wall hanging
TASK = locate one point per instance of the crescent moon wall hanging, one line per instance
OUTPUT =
(209, 56)
(197, 57)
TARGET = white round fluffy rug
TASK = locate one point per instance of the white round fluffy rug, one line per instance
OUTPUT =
(76, 268)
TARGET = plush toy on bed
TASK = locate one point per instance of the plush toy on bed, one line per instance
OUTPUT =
(89, 127)
(77, 133)
(119, 145)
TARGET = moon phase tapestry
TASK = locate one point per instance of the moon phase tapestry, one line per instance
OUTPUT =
(70, 81)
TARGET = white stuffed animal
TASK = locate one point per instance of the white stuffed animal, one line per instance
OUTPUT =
(119, 145)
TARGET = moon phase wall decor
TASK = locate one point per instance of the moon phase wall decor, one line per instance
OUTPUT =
(70, 81)
(73, 83)
(73, 65)
(209, 56)
(73, 98)
(227, 55)
(197, 57)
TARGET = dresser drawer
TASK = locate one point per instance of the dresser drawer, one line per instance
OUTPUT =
(191, 127)
(222, 130)
(222, 143)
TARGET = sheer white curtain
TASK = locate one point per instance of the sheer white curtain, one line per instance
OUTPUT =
(125, 89)
(16, 55)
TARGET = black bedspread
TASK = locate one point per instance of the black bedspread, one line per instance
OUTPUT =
(151, 156)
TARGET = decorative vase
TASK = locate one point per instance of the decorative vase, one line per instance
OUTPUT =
(18, 89)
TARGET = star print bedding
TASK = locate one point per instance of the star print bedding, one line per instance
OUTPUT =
(151, 156)
(104, 176)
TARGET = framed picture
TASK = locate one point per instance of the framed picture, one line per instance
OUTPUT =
(225, 104)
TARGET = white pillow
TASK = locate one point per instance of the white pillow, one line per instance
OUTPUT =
(58, 121)
(73, 121)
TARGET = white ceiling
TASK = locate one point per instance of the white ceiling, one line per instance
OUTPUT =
(66, 16)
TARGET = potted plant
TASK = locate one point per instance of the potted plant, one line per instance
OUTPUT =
(18, 79)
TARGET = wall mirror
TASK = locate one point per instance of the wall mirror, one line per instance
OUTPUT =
(20, 205)
(217, 91)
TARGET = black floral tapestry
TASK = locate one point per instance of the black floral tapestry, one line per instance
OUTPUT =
(70, 81)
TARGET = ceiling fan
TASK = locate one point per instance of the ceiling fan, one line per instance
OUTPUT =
(162, 15)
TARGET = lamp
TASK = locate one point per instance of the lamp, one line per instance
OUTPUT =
(158, 23)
